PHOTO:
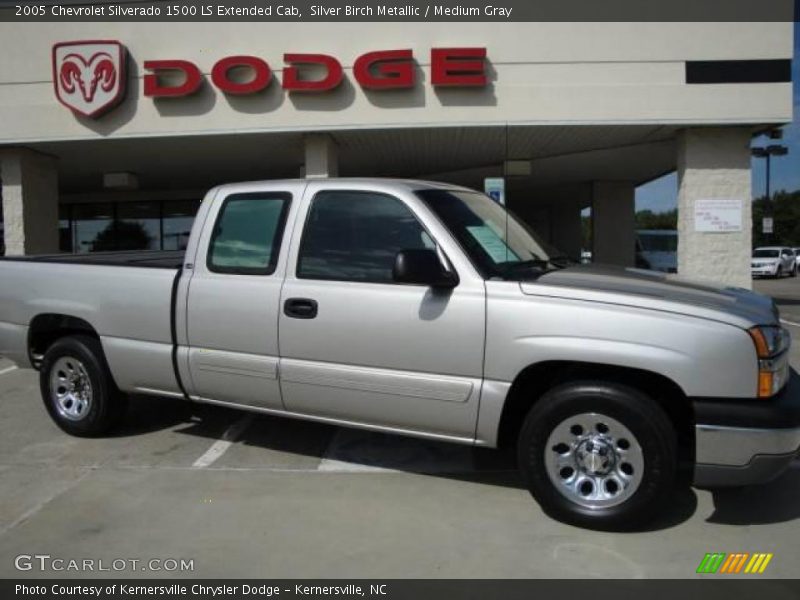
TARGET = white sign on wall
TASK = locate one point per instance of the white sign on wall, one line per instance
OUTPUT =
(495, 188)
(718, 215)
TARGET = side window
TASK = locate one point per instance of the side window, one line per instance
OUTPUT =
(355, 236)
(248, 232)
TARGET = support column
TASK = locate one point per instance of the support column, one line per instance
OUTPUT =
(567, 234)
(553, 212)
(321, 156)
(30, 202)
(714, 163)
(614, 223)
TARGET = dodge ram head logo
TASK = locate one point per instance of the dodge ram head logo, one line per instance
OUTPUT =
(89, 76)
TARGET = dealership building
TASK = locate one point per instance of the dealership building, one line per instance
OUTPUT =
(110, 133)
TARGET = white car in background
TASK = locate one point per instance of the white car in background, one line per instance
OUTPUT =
(773, 261)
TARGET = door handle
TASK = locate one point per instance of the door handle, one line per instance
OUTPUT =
(300, 308)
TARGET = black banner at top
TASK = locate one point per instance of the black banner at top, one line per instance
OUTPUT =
(401, 10)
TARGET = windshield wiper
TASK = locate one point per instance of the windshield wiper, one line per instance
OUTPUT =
(537, 265)
(562, 261)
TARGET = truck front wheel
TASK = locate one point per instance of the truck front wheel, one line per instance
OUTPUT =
(599, 455)
(77, 387)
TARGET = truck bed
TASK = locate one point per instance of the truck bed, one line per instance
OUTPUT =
(125, 297)
(155, 259)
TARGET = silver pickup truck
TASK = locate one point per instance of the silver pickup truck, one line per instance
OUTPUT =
(424, 309)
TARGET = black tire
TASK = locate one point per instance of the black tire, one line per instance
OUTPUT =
(793, 272)
(642, 416)
(779, 272)
(106, 406)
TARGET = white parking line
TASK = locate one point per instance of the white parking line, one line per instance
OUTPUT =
(45, 501)
(221, 446)
(7, 370)
(790, 323)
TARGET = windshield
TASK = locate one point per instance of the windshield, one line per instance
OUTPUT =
(498, 244)
(765, 254)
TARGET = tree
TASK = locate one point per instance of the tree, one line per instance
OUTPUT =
(647, 219)
(122, 235)
(785, 219)
(586, 232)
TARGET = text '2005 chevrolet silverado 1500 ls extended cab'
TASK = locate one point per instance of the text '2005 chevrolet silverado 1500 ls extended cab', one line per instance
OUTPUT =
(423, 309)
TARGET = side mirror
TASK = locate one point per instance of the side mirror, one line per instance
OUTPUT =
(422, 267)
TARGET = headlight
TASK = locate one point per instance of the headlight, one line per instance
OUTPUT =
(770, 341)
(773, 364)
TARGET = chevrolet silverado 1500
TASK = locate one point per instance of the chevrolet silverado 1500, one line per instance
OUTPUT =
(423, 309)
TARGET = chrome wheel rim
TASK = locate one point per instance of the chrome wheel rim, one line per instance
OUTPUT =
(594, 460)
(70, 388)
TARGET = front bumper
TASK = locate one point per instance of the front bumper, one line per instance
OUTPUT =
(744, 442)
(764, 270)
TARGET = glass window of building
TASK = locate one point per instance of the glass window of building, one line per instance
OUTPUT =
(178, 217)
(137, 226)
(65, 228)
(105, 226)
(93, 227)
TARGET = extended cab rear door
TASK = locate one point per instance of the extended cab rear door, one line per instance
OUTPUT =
(357, 346)
(234, 293)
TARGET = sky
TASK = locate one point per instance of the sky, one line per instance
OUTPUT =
(661, 194)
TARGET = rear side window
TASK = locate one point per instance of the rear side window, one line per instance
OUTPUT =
(355, 236)
(248, 232)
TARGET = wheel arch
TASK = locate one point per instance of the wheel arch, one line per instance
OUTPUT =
(534, 380)
(47, 328)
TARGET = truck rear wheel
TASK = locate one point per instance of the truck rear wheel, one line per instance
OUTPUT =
(598, 455)
(77, 388)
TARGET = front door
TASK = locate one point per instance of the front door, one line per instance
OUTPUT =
(355, 345)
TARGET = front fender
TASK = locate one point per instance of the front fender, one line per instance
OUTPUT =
(668, 362)
(705, 358)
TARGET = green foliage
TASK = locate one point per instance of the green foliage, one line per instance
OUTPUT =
(785, 212)
(121, 235)
(586, 232)
(647, 219)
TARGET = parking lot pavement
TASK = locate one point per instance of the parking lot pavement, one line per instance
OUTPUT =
(786, 293)
(258, 496)
(6, 366)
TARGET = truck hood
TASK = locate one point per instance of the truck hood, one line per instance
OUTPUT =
(656, 291)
